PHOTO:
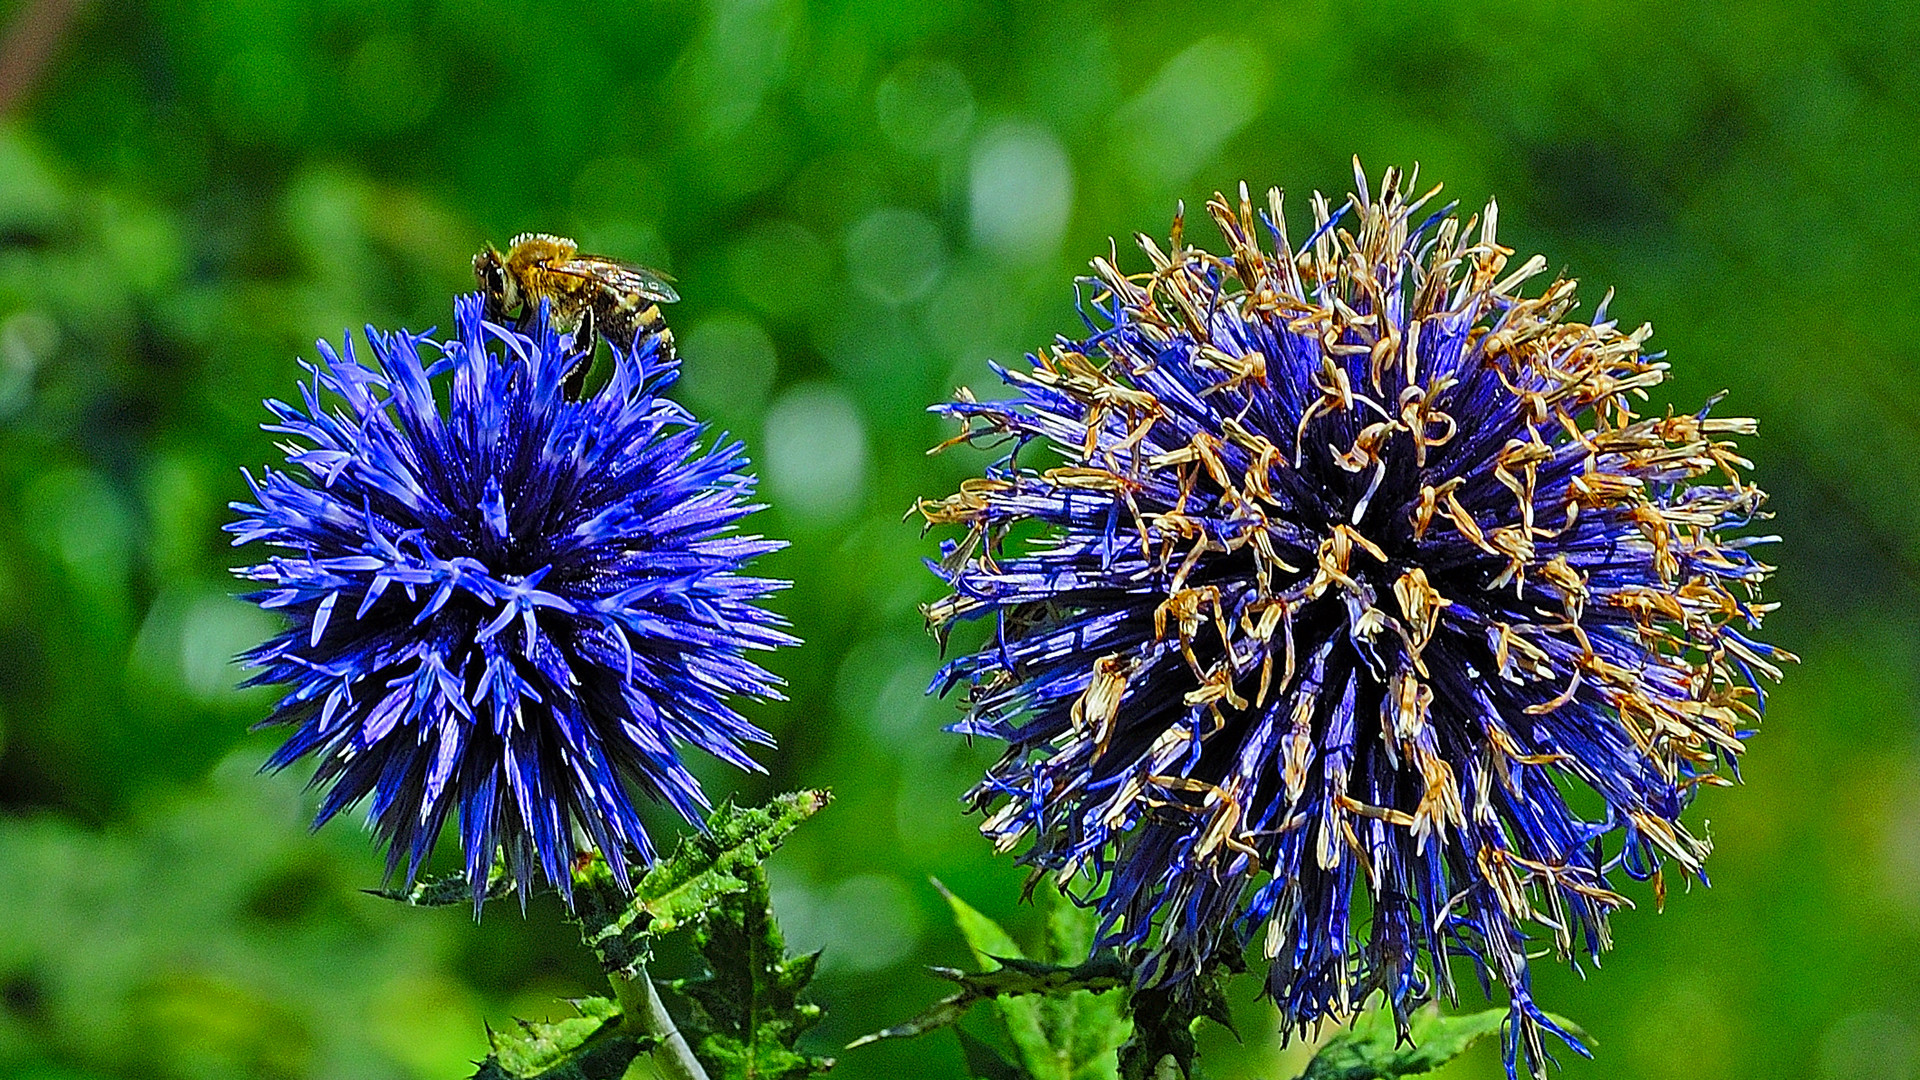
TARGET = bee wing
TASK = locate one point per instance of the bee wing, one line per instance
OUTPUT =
(627, 277)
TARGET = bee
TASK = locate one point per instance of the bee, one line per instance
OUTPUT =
(586, 295)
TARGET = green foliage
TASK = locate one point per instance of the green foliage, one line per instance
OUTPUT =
(983, 1061)
(1374, 1049)
(721, 862)
(1062, 1024)
(747, 1009)
(592, 1046)
(210, 936)
(1057, 1014)
(194, 191)
(1039, 1003)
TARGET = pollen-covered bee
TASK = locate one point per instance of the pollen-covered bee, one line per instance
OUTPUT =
(586, 295)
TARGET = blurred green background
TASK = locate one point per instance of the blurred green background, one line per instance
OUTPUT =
(863, 201)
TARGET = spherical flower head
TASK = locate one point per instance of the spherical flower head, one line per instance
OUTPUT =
(504, 604)
(1322, 581)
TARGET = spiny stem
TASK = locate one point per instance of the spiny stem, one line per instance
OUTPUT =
(640, 1004)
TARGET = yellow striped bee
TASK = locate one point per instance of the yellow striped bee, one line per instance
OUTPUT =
(586, 295)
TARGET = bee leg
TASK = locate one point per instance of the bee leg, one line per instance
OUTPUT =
(499, 314)
(587, 342)
(493, 310)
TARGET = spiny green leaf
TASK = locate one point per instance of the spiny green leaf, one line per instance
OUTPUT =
(747, 1011)
(1083, 1030)
(992, 946)
(1015, 979)
(1373, 1050)
(686, 886)
(591, 1046)
(984, 936)
(1070, 927)
(1059, 1029)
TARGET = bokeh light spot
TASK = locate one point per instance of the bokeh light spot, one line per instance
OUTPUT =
(895, 255)
(727, 362)
(83, 521)
(1020, 192)
(1198, 101)
(815, 452)
(26, 340)
(925, 107)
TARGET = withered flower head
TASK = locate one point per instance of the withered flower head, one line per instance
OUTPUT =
(1344, 601)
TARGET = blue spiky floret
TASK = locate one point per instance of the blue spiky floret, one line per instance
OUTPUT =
(1319, 580)
(502, 603)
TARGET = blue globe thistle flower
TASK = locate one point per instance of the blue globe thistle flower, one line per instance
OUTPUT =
(1321, 582)
(503, 603)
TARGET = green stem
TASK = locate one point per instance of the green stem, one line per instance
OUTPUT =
(644, 1012)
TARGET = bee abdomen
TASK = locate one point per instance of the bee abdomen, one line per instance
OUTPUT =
(635, 320)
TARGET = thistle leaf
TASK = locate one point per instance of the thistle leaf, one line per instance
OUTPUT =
(685, 887)
(747, 1011)
(984, 937)
(592, 1046)
(1372, 1048)
(1005, 985)
(1082, 1029)
(1059, 1028)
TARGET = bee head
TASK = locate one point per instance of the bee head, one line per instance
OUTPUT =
(501, 291)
